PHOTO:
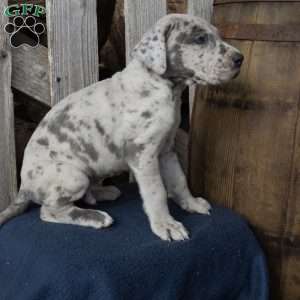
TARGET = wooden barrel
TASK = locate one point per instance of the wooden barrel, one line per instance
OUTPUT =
(245, 138)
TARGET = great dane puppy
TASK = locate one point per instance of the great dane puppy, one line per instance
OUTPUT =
(126, 122)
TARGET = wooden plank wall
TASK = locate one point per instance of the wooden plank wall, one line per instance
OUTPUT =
(8, 184)
(73, 46)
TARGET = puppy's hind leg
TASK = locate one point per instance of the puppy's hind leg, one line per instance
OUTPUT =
(77, 216)
(57, 205)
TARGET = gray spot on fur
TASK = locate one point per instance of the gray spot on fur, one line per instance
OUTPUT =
(84, 124)
(58, 188)
(62, 201)
(58, 167)
(79, 147)
(110, 145)
(133, 151)
(89, 149)
(43, 141)
(61, 121)
(78, 151)
(222, 49)
(145, 93)
(96, 216)
(147, 125)
(176, 71)
(114, 149)
(53, 154)
(99, 127)
(146, 114)
(30, 174)
(39, 170)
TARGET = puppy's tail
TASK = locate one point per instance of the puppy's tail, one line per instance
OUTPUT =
(18, 206)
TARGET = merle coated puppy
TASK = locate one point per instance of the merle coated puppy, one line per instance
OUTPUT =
(126, 122)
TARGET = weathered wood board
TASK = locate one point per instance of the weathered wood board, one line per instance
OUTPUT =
(8, 185)
(73, 46)
(30, 72)
(245, 138)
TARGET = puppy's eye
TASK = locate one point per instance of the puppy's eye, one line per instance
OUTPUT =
(201, 39)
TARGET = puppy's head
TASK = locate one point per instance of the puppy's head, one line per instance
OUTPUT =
(187, 49)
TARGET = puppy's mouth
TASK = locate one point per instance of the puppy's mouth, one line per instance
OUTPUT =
(218, 80)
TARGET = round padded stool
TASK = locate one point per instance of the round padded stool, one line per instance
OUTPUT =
(47, 261)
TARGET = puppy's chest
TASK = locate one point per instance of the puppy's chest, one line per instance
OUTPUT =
(155, 117)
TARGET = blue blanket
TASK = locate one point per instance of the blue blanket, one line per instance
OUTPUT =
(45, 261)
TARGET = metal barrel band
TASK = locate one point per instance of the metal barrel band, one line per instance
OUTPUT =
(222, 2)
(260, 32)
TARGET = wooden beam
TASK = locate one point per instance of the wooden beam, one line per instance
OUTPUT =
(203, 9)
(140, 16)
(73, 46)
(8, 183)
(30, 72)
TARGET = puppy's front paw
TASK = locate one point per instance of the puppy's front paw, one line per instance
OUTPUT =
(196, 205)
(170, 230)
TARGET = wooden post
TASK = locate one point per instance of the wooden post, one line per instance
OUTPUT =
(73, 46)
(8, 183)
(203, 9)
(140, 16)
(30, 73)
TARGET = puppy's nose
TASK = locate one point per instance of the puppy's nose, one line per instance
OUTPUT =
(237, 59)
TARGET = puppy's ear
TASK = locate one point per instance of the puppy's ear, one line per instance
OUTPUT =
(151, 50)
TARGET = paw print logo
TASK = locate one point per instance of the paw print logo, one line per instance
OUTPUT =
(24, 31)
